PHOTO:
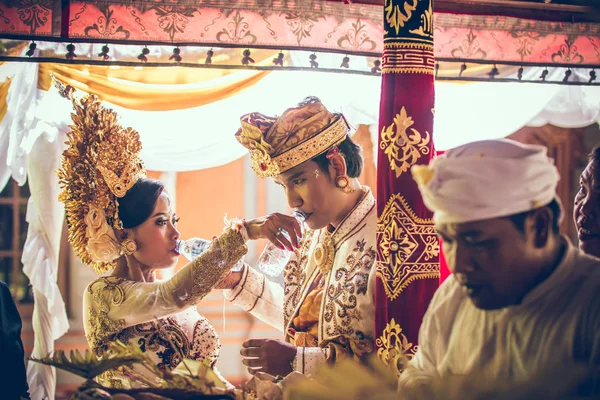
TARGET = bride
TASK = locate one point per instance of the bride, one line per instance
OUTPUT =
(123, 222)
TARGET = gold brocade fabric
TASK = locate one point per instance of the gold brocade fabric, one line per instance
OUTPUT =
(305, 326)
(160, 317)
(150, 96)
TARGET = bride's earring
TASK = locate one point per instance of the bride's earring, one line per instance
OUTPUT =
(128, 247)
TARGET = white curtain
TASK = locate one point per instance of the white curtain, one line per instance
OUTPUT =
(31, 140)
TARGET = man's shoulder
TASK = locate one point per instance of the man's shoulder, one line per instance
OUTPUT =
(586, 268)
(447, 297)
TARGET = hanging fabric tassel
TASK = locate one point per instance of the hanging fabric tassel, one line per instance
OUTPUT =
(463, 67)
(567, 75)
(31, 50)
(376, 66)
(520, 73)
(70, 52)
(592, 76)
(104, 53)
(494, 72)
(209, 55)
(345, 62)
(176, 55)
(544, 74)
(247, 59)
(279, 59)
(142, 56)
(313, 61)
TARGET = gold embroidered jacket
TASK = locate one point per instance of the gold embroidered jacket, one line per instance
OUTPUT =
(158, 316)
(346, 321)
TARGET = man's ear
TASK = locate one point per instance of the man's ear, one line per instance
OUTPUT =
(337, 165)
(540, 226)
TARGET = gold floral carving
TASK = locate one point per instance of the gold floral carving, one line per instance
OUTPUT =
(403, 149)
(407, 247)
(394, 348)
(426, 28)
(395, 17)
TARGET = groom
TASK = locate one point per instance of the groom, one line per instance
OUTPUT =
(325, 309)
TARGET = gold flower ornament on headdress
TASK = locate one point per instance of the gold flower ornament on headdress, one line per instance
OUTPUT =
(278, 144)
(99, 166)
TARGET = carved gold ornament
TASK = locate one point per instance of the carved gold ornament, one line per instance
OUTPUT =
(426, 28)
(393, 347)
(407, 247)
(267, 166)
(324, 252)
(397, 17)
(101, 163)
(403, 149)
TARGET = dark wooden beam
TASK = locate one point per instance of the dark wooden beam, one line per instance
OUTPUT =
(516, 8)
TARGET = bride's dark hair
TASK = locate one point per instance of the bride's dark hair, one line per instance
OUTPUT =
(139, 202)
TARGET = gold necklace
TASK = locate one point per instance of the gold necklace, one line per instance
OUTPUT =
(325, 252)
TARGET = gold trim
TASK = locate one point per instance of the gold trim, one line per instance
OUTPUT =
(407, 247)
(265, 166)
(402, 147)
(394, 348)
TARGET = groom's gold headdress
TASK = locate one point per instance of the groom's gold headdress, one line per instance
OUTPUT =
(99, 166)
(301, 133)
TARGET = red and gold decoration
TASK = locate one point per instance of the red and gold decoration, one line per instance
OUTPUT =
(347, 28)
(407, 245)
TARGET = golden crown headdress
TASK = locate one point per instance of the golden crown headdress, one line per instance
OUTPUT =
(99, 166)
(310, 144)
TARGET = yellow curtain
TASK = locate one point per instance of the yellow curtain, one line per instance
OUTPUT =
(128, 89)
(4, 86)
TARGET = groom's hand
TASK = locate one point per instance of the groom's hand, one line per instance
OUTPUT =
(272, 356)
(270, 226)
(231, 280)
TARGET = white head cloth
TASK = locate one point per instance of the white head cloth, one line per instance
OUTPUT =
(487, 179)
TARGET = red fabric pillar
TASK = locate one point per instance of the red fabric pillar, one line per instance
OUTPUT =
(408, 252)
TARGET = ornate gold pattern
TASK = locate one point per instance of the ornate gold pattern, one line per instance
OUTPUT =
(408, 57)
(403, 149)
(324, 252)
(265, 166)
(101, 326)
(100, 164)
(128, 246)
(295, 276)
(120, 184)
(345, 285)
(394, 15)
(405, 245)
(426, 28)
(393, 347)
(212, 266)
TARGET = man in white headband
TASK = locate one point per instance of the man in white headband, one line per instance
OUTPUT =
(521, 298)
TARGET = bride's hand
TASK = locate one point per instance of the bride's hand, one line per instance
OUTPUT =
(269, 227)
